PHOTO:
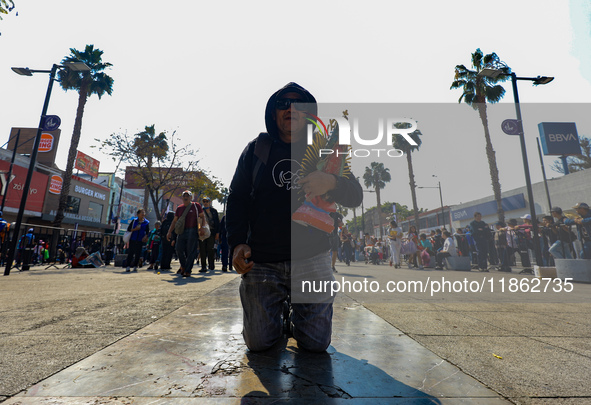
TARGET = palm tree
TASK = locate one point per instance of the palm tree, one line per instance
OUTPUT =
(86, 84)
(223, 198)
(399, 142)
(477, 91)
(148, 146)
(377, 176)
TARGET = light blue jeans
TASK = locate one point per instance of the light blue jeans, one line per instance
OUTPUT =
(560, 250)
(267, 286)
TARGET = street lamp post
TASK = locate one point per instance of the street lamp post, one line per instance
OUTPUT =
(76, 66)
(530, 194)
(493, 72)
(440, 200)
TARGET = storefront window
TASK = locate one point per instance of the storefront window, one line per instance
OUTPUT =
(95, 211)
(73, 205)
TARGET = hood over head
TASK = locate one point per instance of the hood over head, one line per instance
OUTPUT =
(270, 109)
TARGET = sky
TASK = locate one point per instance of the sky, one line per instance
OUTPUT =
(207, 69)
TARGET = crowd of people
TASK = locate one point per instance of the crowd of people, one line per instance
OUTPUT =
(192, 232)
(560, 237)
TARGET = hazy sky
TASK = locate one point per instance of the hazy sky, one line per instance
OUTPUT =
(206, 70)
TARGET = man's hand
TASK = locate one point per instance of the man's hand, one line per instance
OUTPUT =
(241, 254)
(168, 236)
(317, 183)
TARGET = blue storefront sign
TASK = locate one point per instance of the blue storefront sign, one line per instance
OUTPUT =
(559, 138)
(514, 202)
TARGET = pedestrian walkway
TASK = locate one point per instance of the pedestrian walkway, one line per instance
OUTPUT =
(196, 355)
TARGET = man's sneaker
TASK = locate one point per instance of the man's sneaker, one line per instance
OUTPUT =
(203, 270)
(128, 270)
(135, 269)
(224, 268)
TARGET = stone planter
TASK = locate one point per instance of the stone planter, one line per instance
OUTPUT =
(577, 269)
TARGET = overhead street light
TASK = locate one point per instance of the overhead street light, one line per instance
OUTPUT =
(494, 73)
(74, 66)
(440, 198)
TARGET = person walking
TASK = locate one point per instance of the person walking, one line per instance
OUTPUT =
(192, 216)
(139, 228)
(224, 247)
(167, 245)
(207, 246)
(395, 237)
(154, 246)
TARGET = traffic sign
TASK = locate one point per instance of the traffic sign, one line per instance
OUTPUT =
(51, 123)
(511, 127)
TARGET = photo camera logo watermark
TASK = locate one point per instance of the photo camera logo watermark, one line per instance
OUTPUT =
(345, 137)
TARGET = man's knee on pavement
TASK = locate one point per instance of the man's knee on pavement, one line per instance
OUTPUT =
(313, 345)
(260, 343)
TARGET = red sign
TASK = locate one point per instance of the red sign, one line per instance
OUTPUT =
(46, 143)
(87, 164)
(14, 187)
(55, 186)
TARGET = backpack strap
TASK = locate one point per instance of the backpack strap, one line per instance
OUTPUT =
(262, 150)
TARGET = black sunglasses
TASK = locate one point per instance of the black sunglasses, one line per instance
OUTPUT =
(286, 103)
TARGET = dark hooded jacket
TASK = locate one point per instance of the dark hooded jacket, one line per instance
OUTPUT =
(261, 216)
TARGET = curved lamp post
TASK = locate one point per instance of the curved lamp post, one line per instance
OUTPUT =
(494, 73)
(74, 66)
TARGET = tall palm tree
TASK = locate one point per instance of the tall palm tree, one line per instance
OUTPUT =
(148, 146)
(399, 142)
(476, 92)
(223, 198)
(86, 84)
(377, 176)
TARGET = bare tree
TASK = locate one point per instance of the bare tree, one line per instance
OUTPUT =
(162, 171)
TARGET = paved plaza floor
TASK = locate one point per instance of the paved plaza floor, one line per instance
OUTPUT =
(161, 339)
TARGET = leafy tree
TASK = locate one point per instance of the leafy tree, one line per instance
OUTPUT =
(95, 81)
(476, 92)
(576, 163)
(159, 166)
(402, 211)
(204, 184)
(377, 176)
(399, 142)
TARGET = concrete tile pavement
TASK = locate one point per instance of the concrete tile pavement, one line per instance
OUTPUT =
(196, 355)
(49, 319)
(544, 348)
